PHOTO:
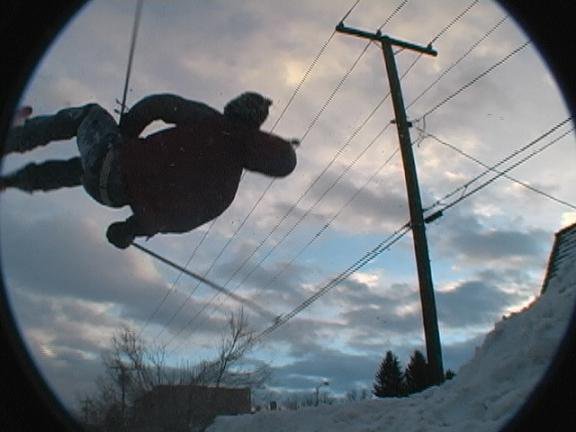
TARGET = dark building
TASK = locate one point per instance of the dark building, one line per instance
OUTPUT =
(563, 255)
(187, 408)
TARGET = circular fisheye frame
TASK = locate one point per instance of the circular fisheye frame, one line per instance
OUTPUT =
(309, 215)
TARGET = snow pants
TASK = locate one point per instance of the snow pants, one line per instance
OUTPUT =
(98, 167)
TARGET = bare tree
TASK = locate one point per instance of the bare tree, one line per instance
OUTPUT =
(234, 345)
(358, 394)
(133, 368)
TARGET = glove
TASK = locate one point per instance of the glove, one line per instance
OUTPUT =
(120, 235)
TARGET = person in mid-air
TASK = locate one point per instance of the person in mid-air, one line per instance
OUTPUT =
(175, 179)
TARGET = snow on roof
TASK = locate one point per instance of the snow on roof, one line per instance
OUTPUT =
(484, 395)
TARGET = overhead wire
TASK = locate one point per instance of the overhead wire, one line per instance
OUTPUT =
(283, 112)
(357, 130)
(312, 124)
(173, 288)
(463, 188)
(246, 302)
(342, 148)
(400, 232)
(513, 179)
(465, 192)
(271, 182)
(383, 246)
(284, 318)
(476, 79)
(361, 262)
(322, 109)
(454, 21)
(442, 32)
(318, 234)
(309, 70)
(458, 61)
(348, 167)
(134, 37)
(335, 216)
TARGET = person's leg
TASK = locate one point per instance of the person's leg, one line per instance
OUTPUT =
(96, 134)
(45, 176)
(39, 131)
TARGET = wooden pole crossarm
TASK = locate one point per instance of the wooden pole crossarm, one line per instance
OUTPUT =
(378, 36)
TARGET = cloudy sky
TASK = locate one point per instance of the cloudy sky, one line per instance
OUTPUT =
(70, 290)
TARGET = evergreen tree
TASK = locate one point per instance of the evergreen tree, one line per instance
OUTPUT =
(417, 373)
(388, 382)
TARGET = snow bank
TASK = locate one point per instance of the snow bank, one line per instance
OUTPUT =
(484, 395)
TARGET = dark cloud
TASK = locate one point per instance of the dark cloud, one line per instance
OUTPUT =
(86, 268)
(494, 245)
(471, 241)
(377, 208)
(341, 369)
(62, 274)
(346, 371)
(71, 377)
(472, 303)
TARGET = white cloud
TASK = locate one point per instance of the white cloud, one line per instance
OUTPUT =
(568, 218)
(68, 281)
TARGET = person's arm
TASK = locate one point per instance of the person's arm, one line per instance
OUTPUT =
(270, 155)
(166, 107)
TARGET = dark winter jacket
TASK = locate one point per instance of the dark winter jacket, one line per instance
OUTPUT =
(183, 176)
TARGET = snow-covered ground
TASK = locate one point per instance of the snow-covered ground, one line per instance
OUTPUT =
(483, 396)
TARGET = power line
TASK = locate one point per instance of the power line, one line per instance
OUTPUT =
(307, 212)
(466, 193)
(135, 26)
(458, 61)
(454, 21)
(312, 124)
(366, 258)
(334, 217)
(357, 130)
(438, 35)
(175, 282)
(343, 80)
(257, 202)
(521, 183)
(462, 189)
(262, 242)
(392, 15)
(399, 7)
(476, 79)
(247, 302)
(396, 10)
(399, 233)
(309, 70)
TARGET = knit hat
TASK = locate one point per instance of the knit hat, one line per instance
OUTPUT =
(249, 108)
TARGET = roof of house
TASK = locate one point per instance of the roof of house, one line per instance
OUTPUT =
(562, 256)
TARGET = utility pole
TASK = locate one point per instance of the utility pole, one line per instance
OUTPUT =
(317, 388)
(417, 223)
(124, 378)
